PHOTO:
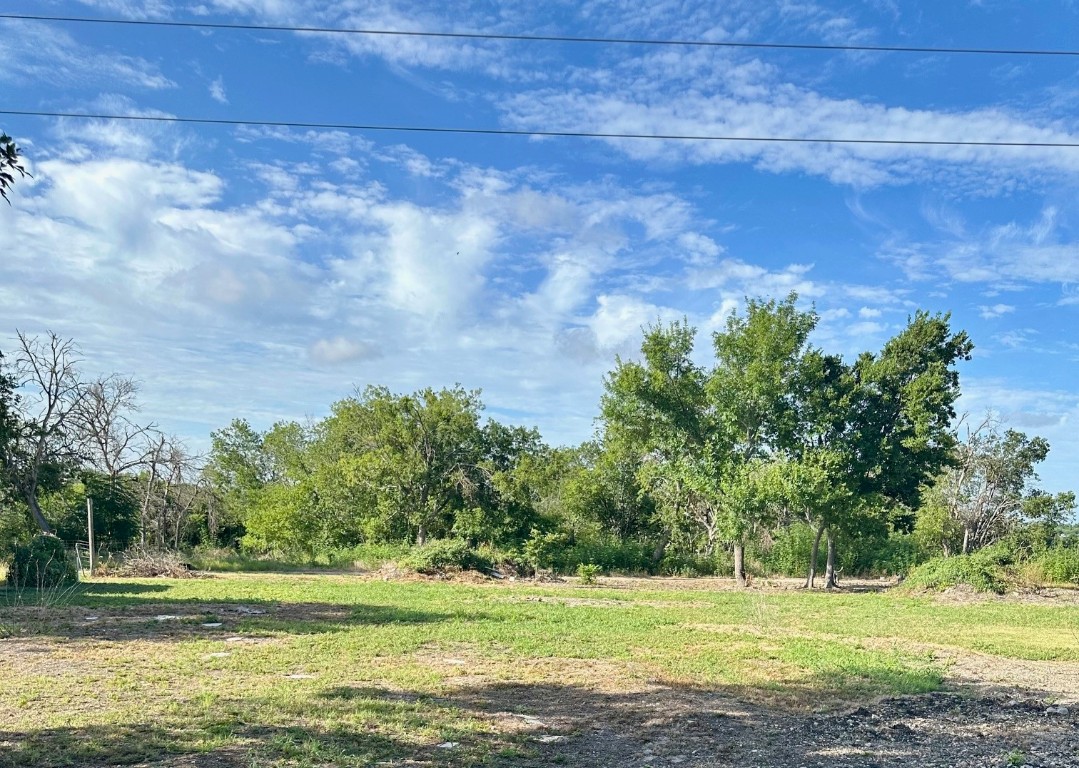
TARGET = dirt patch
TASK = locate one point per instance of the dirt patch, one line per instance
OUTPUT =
(695, 729)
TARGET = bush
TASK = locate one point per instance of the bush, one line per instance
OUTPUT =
(720, 563)
(545, 550)
(611, 554)
(1060, 565)
(557, 552)
(588, 573)
(41, 564)
(983, 571)
(789, 552)
(896, 554)
(445, 555)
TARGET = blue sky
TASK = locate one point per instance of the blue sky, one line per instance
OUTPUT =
(263, 272)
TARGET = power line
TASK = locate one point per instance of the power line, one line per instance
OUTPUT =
(534, 133)
(544, 38)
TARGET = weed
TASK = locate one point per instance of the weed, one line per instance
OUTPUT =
(588, 573)
(1016, 757)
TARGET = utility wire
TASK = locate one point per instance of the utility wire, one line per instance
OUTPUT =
(539, 133)
(544, 38)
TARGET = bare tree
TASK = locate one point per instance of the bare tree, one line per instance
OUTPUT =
(113, 440)
(173, 488)
(45, 441)
(983, 493)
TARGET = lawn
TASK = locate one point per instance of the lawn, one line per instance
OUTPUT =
(306, 670)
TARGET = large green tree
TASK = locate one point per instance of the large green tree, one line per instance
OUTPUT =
(706, 437)
(879, 430)
(760, 368)
(657, 410)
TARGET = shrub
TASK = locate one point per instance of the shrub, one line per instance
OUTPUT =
(545, 550)
(445, 555)
(1060, 565)
(610, 553)
(983, 571)
(41, 564)
(789, 551)
(588, 573)
(720, 562)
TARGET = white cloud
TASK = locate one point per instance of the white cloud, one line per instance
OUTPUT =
(1049, 413)
(1018, 338)
(1005, 256)
(996, 310)
(654, 105)
(217, 91)
(45, 54)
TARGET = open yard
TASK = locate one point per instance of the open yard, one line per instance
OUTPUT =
(349, 670)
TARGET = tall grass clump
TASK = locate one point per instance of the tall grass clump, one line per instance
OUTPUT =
(1059, 565)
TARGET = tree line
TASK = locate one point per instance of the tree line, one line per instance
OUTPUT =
(772, 453)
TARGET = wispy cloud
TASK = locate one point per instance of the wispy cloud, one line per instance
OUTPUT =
(48, 54)
(217, 91)
(996, 310)
(1005, 256)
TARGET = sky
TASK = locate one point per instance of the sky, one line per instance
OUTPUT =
(263, 272)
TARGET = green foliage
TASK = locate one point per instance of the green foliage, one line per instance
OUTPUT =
(689, 565)
(545, 551)
(237, 468)
(983, 571)
(891, 555)
(116, 509)
(790, 551)
(281, 519)
(41, 564)
(587, 573)
(444, 555)
(1059, 565)
(607, 551)
(10, 164)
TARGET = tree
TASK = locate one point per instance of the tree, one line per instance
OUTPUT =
(44, 449)
(988, 489)
(706, 438)
(657, 410)
(10, 164)
(237, 468)
(419, 454)
(115, 505)
(9, 414)
(760, 362)
(103, 424)
(880, 429)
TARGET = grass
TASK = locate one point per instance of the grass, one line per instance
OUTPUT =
(313, 670)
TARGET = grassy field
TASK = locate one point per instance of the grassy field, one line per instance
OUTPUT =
(305, 670)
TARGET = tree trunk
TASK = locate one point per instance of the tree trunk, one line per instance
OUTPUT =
(966, 539)
(740, 563)
(37, 514)
(811, 576)
(661, 548)
(421, 535)
(830, 580)
(144, 515)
